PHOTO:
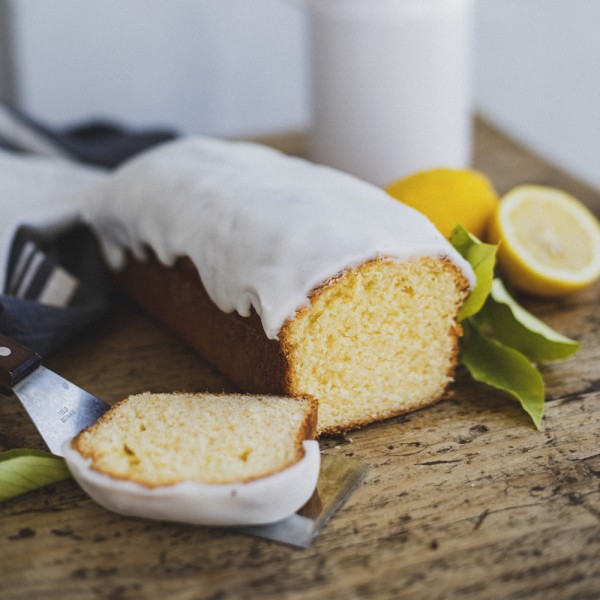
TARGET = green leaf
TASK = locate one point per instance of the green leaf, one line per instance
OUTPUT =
(511, 324)
(493, 363)
(482, 258)
(23, 470)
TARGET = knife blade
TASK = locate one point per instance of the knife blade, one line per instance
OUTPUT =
(338, 478)
(58, 408)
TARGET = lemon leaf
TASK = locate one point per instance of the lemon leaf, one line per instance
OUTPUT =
(497, 365)
(482, 258)
(511, 324)
(24, 470)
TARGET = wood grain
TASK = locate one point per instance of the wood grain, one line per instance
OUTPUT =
(464, 499)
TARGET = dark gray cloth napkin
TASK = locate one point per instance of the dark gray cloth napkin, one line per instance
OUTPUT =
(55, 288)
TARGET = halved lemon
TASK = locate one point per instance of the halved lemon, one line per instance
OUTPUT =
(549, 241)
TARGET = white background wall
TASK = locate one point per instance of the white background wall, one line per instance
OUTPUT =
(226, 67)
(239, 67)
(537, 74)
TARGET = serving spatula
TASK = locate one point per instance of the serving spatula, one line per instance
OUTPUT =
(60, 410)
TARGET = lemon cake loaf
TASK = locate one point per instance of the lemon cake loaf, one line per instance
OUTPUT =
(291, 278)
(201, 458)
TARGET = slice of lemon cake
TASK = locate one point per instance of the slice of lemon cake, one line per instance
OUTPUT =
(290, 277)
(200, 458)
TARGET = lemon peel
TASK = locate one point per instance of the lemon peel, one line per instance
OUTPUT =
(449, 197)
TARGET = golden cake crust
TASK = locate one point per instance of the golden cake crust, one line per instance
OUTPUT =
(237, 346)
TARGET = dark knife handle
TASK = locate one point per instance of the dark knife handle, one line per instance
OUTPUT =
(16, 362)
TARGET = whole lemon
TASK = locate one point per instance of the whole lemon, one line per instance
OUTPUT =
(449, 197)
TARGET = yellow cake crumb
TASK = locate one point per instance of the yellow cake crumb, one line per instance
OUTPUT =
(161, 439)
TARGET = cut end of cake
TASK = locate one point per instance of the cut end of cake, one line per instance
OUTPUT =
(377, 341)
(164, 439)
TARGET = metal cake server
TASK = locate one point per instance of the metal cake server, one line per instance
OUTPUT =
(60, 410)
(339, 476)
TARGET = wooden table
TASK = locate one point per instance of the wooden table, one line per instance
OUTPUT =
(464, 499)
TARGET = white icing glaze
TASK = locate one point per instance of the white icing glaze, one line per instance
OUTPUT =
(265, 500)
(262, 228)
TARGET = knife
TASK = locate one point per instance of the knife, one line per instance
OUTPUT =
(58, 408)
